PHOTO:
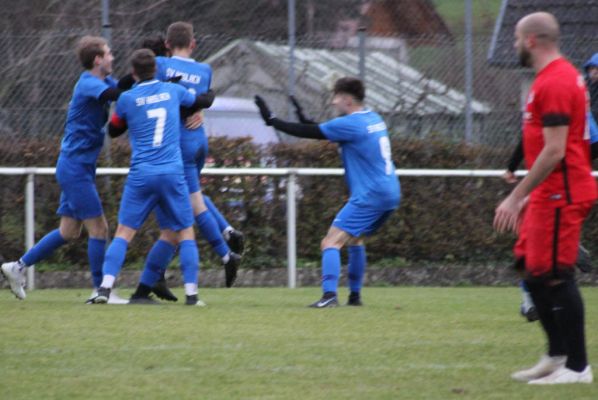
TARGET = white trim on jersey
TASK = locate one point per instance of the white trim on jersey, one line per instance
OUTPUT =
(188, 59)
(148, 82)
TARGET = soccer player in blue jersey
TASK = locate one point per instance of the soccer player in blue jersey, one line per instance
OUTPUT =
(83, 138)
(150, 111)
(233, 237)
(196, 77)
(370, 176)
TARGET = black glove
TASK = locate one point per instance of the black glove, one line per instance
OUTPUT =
(126, 82)
(174, 79)
(264, 110)
(298, 108)
(299, 112)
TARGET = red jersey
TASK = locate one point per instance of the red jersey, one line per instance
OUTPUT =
(558, 97)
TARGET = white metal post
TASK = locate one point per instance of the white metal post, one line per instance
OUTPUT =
(292, 43)
(468, 71)
(292, 229)
(30, 225)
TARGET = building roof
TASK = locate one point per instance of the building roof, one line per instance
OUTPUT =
(234, 117)
(244, 68)
(579, 36)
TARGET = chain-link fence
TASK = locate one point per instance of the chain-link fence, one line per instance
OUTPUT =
(414, 64)
(417, 85)
(415, 78)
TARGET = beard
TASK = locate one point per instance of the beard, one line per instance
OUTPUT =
(525, 58)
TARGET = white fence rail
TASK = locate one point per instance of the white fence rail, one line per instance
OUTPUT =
(290, 173)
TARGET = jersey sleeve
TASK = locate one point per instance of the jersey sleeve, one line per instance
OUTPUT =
(341, 129)
(555, 103)
(94, 88)
(186, 98)
(120, 110)
(111, 81)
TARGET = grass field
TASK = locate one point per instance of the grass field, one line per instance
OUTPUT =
(406, 343)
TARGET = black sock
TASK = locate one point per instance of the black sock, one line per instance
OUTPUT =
(542, 300)
(329, 295)
(569, 315)
(142, 291)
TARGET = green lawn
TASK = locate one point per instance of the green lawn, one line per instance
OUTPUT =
(406, 343)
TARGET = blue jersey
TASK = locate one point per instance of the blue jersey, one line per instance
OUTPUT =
(366, 155)
(195, 76)
(86, 117)
(151, 111)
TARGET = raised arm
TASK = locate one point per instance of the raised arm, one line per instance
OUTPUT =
(303, 130)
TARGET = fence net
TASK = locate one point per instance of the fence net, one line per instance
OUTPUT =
(414, 77)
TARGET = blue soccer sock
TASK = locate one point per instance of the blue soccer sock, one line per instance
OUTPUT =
(357, 263)
(156, 262)
(209, 230)
(96, 249)
(220, 220)
(114, 259)
(44, 248)
(189, 258)
(331, 269)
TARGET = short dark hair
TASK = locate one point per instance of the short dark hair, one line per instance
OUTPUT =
(88, 48)
(179, 35)
(155, 44)
(351, 86)
(144, 63)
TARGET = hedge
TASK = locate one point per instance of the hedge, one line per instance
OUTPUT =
(440, 219)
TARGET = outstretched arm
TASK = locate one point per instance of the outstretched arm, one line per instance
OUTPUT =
(302, 130)
(201, 101)
(113, 93)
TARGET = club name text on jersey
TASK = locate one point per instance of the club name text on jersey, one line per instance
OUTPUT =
(185, 76)
(155, 98)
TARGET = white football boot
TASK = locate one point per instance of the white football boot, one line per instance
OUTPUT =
(116, 299)
(565, 375)
(15, 276)
(546, 366)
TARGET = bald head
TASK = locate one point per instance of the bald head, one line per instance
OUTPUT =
(537, 39)
(542, 25)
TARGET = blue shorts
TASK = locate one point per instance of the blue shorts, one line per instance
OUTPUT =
(79, 198)
(167, 194)
(359, 220)
(194, 150)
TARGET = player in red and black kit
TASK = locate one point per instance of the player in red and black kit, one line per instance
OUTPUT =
(558, 193)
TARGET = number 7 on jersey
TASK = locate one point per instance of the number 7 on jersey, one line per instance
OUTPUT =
(160, 115)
